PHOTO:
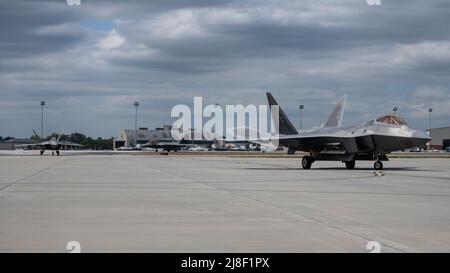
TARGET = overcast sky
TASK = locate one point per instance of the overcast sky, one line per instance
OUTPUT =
(90, 63)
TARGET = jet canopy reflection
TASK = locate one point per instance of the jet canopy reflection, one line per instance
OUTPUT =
(391, 119)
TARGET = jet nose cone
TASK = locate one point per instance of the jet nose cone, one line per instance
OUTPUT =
(419, 134)
(421, 138)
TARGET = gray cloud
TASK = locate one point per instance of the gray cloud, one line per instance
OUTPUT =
(33, 27)
(165, 52)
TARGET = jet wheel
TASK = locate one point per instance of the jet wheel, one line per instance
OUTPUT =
(350, 164)
(378, 165)
(306, 162)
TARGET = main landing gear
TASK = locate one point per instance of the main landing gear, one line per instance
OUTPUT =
(53, 152)
(350, 164)
(307, 161)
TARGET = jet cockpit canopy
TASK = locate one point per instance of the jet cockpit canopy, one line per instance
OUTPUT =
(391, 119)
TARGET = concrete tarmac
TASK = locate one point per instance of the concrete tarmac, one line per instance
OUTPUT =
(132, 203)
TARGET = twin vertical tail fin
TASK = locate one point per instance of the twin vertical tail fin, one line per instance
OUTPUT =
(36, 135)
(282, 124)
(60, 135)
(335, 118)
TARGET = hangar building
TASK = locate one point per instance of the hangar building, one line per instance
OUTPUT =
(144, 135)
(440, 138)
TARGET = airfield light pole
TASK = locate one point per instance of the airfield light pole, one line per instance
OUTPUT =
(216, 117)
(192, 136)
(430, 111)
(301, 107)
(395, 109)
(42, 119)
(136, 105)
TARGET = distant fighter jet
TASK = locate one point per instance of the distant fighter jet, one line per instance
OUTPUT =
(371, 140)
(54, 144)
(165, 145)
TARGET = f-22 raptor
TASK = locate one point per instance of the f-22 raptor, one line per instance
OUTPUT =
(54, 145)
(371, 140)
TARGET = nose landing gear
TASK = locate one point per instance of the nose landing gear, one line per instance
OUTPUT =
(378, 165)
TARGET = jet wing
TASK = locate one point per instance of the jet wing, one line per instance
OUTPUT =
(45, 143)
(346, 140)
(165, 145)
(30, 145)
(70, 144)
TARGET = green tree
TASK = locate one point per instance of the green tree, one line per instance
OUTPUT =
(77, 137)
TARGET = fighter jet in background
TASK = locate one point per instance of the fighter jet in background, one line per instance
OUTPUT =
(166, 145)
(371, 140)
(54, 145)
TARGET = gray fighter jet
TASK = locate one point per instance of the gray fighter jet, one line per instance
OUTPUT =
(165, 145)
(54, 145)
(371, 140)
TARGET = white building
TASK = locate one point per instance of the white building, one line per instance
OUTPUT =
(440, 138)
(144, 135)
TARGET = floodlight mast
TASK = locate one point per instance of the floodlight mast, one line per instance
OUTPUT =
(301, 107)
(136, 105)
(42, 119)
